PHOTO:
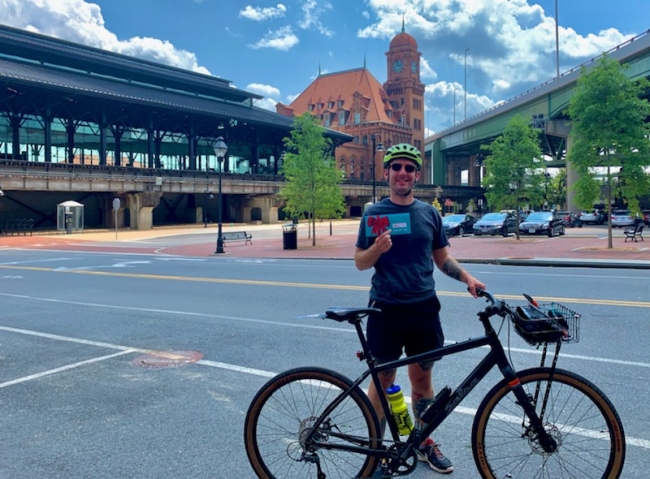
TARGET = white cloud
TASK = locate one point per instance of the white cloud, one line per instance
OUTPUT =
(266, 103)
(512, 42)
(81, 22)
(281, 39)
(311, 17)
(259, 14)
(266, 90)
(445, 101)
(426, 71)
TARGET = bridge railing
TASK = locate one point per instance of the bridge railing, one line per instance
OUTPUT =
(542, 85)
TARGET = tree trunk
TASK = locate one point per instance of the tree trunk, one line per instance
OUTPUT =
(610, 244)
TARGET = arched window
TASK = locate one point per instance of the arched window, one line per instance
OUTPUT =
(342, 167)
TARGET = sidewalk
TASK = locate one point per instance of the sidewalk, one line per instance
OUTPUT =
(579, 247)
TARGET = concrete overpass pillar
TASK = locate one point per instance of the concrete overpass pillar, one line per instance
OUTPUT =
(268, 205)
(474, 172)
(270, 215)
(141, 207)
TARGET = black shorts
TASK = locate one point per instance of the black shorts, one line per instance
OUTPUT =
(412, 328)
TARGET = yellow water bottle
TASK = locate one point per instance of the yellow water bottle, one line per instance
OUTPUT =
(399, 409)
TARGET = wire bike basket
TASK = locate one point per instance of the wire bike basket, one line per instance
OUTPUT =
(546, 323)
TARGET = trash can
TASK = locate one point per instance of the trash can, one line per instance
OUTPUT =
(289, 236)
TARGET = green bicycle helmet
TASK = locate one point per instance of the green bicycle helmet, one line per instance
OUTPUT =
(402, 151)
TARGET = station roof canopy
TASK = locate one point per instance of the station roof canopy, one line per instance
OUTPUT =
(85, 75)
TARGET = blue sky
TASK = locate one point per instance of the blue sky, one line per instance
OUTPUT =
(275, 48)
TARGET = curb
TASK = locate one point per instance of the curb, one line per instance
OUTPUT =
(560, 263)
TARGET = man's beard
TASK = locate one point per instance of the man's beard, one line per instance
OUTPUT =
(407, 193)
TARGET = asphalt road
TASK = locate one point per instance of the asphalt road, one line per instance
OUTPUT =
(74, 405)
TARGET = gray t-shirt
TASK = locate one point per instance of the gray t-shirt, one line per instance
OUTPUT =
(404, 274)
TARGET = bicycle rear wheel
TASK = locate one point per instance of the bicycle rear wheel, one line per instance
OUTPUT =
(281, 417)
(583, 422)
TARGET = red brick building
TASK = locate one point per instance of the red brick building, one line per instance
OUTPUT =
(354, 102)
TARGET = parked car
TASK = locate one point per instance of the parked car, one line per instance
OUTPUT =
(522, 214)
(570, 219)
(604, 214)
(458, 224)
(621, 218)
(542, 223)
(592, 217)
(493, 223)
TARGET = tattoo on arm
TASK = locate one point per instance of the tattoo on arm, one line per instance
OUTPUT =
(452, 269)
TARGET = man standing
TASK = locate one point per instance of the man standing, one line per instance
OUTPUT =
(402, 238)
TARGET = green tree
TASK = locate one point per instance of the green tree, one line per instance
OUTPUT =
(609, 130)
(555, 190)
(514, 174)
(312, 179)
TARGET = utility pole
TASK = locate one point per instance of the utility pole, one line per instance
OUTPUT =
(557, 45)
(465, 87)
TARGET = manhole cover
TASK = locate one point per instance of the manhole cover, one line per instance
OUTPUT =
(167, 359)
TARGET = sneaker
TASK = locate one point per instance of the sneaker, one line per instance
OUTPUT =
(429, 452)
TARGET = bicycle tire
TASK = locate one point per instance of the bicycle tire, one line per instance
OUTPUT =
(578, 416)
(279, 417)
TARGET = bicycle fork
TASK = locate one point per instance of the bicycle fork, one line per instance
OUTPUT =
(528, 404)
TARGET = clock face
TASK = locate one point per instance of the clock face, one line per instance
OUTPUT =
(414, 67)
(398, 66)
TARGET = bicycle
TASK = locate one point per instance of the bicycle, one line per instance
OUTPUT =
(539, 422)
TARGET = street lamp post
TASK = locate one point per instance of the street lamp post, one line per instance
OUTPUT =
(557, 45)
(465, 87)
(220, 149)
(375, 149)
(207, 195)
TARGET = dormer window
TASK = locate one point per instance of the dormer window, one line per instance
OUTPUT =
(310, 107)
(330, 105)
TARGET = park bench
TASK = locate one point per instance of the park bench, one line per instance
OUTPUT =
(237, 236)
(634, 232)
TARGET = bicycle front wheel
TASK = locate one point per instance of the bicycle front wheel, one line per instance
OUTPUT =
(281, 417)
(577, 415)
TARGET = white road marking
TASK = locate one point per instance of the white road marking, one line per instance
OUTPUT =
(123, 264)
(632, 441)
(63, 368)
(298, 325)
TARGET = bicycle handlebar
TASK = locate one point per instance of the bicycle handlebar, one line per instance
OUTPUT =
(495, 307)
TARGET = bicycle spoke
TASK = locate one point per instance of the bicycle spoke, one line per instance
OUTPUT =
(577, 417)
(281, 440)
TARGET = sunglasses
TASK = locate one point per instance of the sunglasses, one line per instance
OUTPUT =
(398, 167)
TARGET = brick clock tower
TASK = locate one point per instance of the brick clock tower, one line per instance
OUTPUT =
(404, 88)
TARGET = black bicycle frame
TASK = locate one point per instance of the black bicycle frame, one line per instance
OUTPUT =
(495, 357)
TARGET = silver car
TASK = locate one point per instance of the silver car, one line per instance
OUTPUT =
(622, 218)
(592, 217)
